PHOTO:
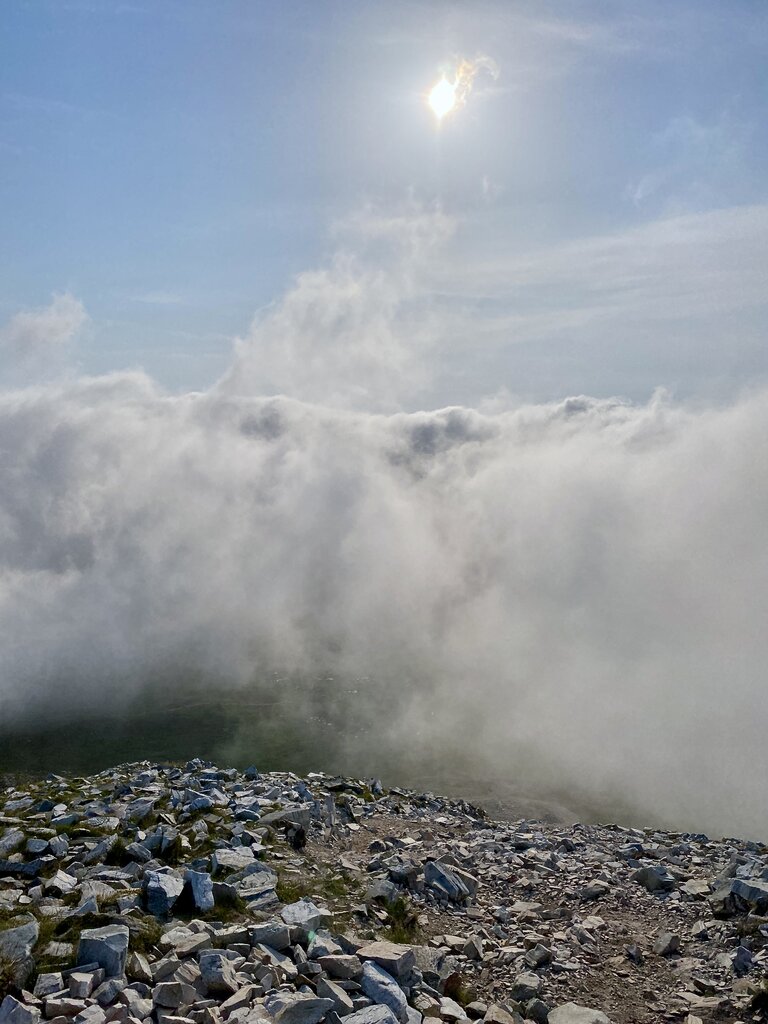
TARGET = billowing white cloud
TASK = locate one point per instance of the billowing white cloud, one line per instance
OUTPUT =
(579, 587)
(32, 332)
(358, 332)
(571, 590)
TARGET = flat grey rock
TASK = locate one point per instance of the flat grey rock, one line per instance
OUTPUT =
(573, 1013)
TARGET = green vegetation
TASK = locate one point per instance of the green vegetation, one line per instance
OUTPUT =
(8, 976)
(289, 889)
(403, 923)
(145, 935)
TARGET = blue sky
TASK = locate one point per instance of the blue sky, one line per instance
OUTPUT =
(175, 165)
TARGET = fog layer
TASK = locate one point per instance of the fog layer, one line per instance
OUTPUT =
(573, 592)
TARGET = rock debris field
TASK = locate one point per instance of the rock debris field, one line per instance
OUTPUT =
(196, 895)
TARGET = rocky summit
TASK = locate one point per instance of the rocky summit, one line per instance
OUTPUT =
(196, 895)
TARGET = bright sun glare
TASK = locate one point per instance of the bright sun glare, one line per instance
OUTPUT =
(442, 98)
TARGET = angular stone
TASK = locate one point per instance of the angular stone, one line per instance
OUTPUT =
(81, 984)
(14, 1012)
(346, 967)
(526, 986)
(445, 881)
(666, 944)
(752, 891)
(91, 1015)
(137, 967)
(227, 859)
(10, 841)
(201, 887)
(16, 945)
(382, 988)
(296, 1007)
(60, 883)
(109, 990)
(372, 1015)
(396, 959)
(258, 889)
(63, 1006)
(173, 994)
(450, 1010)
(428, 1006)
(217, 974)
(695, 888)
(496, 1014)
(107, 947)
(322, 944)
(272, 933)
(573, 1013)
(537, 1010)
(47, 984)
(342, 1003)
(303, 914)
(539, 956)
(161, 890)
(654, 879)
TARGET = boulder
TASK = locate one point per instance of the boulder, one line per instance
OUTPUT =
(397, 960)
(572, 1013)
(161, 890)
(372, 1015)
(201, 889)
(217, 974)
(14, 1012)
(382, 988)
(107, 947)
(526, 986)
(303, 914)
(296, 1007)
(227, 859)
(16, 945)
(654, 879)
(445, 881)
(666, 944)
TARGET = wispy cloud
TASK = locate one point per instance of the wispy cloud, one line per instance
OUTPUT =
(33, 332)
(699, 276)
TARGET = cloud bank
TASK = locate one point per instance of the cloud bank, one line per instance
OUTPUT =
(570, 593)
(583, 583)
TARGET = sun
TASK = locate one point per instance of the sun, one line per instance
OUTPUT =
(442, 98)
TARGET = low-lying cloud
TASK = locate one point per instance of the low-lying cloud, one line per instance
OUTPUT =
(583, 582)
(571, 594)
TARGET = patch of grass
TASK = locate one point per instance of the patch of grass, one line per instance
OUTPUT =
(8, 976)
(145, 935)
(403, 926)
(290, 889)
(334, 887)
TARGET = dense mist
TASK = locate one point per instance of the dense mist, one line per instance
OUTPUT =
(574, 592)
(568, 594)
